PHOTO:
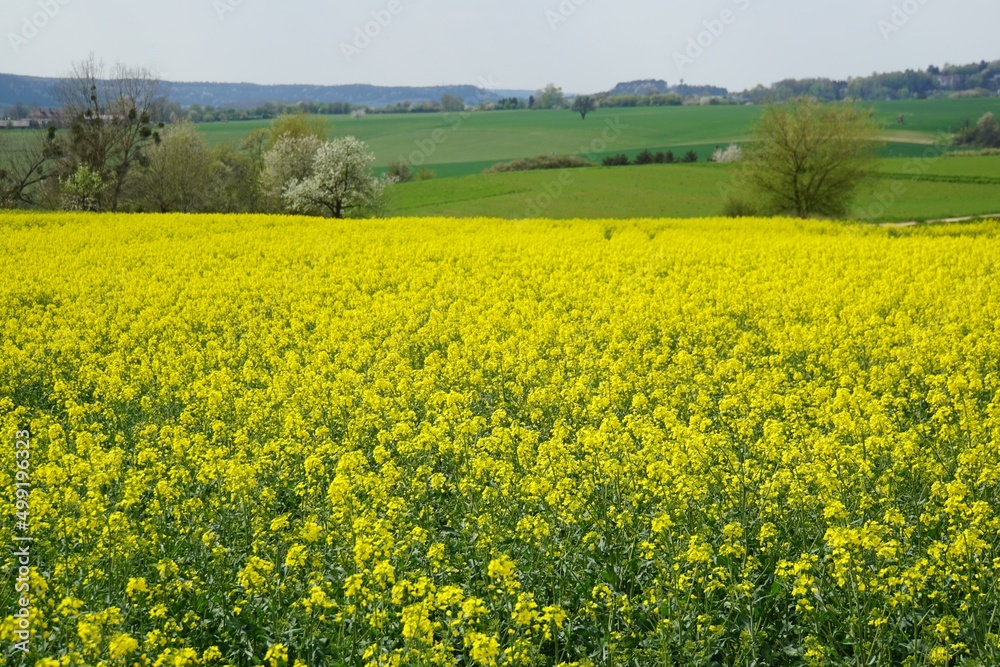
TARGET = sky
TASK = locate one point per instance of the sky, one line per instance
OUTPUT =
(583, 46)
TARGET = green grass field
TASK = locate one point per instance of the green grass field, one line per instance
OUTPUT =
(912, 190)
(934, 116)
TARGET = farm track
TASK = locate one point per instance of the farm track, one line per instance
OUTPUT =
(966, 218)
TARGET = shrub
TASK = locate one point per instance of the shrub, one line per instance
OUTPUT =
(426, 174)
(399, 171)
(731, 154)
(690, 156)
(984, 134)
(645, 157)
(620, 160)
(82, 190)
(985, 152)
(541, 162)
(736, 206)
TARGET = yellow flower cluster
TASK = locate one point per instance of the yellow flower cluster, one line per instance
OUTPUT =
(284, 441)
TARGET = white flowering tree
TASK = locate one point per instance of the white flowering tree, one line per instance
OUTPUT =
(731, 154)
(290, 159)
(341, 183)
(82, 189)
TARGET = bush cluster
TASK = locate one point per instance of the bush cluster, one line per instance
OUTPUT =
(648, 157)
(541, 162)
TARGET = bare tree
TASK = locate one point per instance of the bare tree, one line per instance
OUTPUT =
(109, 118)
(25, 164)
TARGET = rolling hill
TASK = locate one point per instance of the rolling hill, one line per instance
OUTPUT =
(38, 92)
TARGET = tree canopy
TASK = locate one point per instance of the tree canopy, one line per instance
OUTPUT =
(810, 159)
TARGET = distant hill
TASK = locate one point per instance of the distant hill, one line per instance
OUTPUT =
(975, 79)
(242, 95)
(38, 92)
(643, 87)
(660, 87)
(34, 91)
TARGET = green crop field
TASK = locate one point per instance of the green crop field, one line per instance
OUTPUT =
(462, 144)
(620, 192)
(469, 142)
(955, 169)
(934, 116)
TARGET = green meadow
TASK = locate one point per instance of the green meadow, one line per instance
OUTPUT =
(913, 189)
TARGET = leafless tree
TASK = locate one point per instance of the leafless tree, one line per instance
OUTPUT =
(109, 115)
(26, 162)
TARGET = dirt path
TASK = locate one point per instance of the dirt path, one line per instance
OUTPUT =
(914, 223)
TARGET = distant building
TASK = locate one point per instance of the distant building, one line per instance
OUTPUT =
(947, 80)
(46, 117)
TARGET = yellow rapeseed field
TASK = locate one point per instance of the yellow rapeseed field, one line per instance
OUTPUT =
(285, 441)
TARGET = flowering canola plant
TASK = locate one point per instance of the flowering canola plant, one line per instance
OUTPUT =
(286, 441)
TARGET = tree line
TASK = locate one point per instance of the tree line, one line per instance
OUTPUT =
(115, 154)
(981, 79)
(197, 113)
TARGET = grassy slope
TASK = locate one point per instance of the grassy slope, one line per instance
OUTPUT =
(971, 169)
(932, 116)
(651, 191)
(935, 187)
(939, 188)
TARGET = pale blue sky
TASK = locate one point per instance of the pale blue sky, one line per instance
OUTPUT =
(581, 45)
